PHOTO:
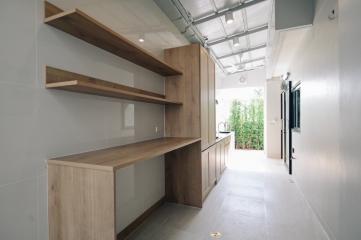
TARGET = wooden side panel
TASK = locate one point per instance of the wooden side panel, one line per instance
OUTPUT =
(205, 174)
(218, 161)
(212, 166)
(211, 101)
(204, 99)
(183, 121)
(223, 159)
(183, 175)
(81, 204)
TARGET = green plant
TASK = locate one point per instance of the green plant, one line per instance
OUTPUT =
(246, 120)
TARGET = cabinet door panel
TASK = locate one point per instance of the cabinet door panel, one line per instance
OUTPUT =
(218, 161)
(204, 98)
(222, 156)
(211, 101)
(205, 167)
(212, 166)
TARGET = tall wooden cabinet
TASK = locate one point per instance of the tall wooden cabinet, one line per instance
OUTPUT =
(208, 100)
(196, 89)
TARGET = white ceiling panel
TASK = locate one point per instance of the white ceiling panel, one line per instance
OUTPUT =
(212, 29)
(222, 48)
(230, 61)
(198, 8)
(258, 53)
(222, 4)
(258, 38)
(258, 63)
(258, 14)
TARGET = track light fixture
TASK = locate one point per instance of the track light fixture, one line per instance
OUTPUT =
(236, 42)
(229, 17)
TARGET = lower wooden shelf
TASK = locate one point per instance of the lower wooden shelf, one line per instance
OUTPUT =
(74, 82)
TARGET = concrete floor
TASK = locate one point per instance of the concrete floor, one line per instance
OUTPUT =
(255, 200)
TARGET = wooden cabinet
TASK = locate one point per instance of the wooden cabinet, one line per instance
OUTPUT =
(208, 100)
(196, 117)
(195, 88)
(209, 177)
(214, 161)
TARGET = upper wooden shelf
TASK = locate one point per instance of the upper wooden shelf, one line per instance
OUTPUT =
(114, 158)
(69, 81)
(83, 26)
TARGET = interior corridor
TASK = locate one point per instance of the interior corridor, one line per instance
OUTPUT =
(255, 200)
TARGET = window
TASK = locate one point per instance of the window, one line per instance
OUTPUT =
(296, 108)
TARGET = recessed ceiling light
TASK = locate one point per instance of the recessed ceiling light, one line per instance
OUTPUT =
(236, 42)
(141, 38)
(229, 17)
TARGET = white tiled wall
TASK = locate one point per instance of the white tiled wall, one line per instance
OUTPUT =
(37, 124)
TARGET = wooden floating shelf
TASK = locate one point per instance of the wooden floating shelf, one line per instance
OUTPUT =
(83, 26)
(114, 158)
(69, 81)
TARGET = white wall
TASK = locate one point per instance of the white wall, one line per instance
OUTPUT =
(317, 164)
(272, 118)
(254, 78)
(37, 124)
(350, 130)
(327, 166)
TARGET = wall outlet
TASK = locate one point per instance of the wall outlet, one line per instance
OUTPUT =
(156, 129)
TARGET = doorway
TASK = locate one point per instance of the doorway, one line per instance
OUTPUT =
(242, 111)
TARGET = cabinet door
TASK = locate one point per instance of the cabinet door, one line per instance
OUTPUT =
(218, 161)
(211, 101)
(222, 156)
(204, 98)
(205, 181)
(226, 154)
(212, 166)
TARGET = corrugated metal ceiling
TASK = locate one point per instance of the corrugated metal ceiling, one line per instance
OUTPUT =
(245, 19)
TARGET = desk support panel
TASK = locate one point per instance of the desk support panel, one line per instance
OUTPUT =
(183, 175)
(81, 203)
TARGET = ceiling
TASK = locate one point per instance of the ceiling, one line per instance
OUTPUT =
(132, 18)
(250, 23)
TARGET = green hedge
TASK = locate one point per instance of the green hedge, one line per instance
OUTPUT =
(246, 121)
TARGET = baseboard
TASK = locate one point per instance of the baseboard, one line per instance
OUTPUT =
(139, 220)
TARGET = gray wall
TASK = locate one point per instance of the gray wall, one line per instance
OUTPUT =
(37, 124)
(327, 166)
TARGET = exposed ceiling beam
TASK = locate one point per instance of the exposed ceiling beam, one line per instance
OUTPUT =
(243, 51)
(247, 70)
(241, 34)
(223, 12)
(248, 61)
